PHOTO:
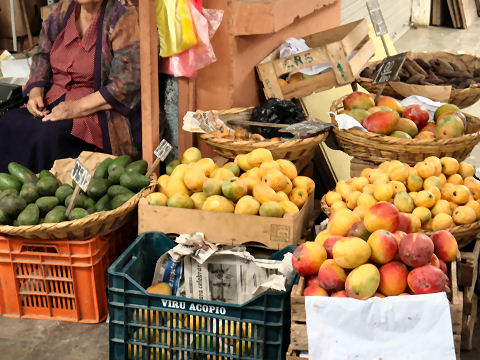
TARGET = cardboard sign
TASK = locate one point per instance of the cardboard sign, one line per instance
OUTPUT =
(389, 69)
(163, 149)
(81, 175)
(377, 18)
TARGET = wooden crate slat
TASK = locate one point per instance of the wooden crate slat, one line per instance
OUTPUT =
(469, 321)
(340, 65)
(469, 266)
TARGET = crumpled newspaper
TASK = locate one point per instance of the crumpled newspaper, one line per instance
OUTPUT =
(214, 273)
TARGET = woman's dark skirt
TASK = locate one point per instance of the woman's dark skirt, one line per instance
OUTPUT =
(36, 144)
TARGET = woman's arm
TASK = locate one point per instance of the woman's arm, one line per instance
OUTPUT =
(87, 105)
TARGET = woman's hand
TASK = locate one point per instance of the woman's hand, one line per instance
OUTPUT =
(63, 111)
(35, 105)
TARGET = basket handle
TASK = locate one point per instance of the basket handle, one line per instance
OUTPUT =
(39, 248)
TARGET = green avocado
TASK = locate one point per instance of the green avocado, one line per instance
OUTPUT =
(63, 191)
(29, 216)
(77, 213)
(29, 192)
(98, 188)
(102, 170)
(139, 166)
(119, 200)
(47, 185)
(12, 205)
(20, 172)
(134, 181)
(46, 203)
(103, 204)
(115, 190)
(115, 173)
(56, 215)
(8, 181)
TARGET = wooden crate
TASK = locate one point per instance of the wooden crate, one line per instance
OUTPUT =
(227, 228)
(347, 47)
(298, 329)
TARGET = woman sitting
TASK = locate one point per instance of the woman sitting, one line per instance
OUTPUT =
(84, 87)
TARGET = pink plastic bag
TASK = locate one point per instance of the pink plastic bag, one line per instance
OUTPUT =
(188, 62)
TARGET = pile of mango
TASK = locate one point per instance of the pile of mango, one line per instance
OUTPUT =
(377, 256)
(388, 117)
(434, 194)
(28, 199)
(254, 184)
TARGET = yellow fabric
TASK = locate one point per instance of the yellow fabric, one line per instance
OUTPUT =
(175, 26)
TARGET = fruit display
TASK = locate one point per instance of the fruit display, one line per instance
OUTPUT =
(376, 256)
(388, 117)
(433, 72)
(435, 194)
(254, 184)
(28, 199)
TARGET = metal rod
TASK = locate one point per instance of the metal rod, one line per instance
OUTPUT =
(14, 28)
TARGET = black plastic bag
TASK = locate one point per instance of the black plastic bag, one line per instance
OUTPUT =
(276, 111)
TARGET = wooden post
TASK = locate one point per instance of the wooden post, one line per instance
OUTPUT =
(149, 78)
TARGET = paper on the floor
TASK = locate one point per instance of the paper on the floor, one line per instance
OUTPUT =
(391, 328)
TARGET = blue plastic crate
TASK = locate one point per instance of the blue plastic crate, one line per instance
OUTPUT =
(149, 326)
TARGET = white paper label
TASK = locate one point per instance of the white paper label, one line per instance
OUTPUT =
(163, 150)
(81, 175)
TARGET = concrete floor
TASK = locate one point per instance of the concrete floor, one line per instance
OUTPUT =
(24, 339)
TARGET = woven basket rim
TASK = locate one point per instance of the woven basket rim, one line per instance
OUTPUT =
(473, 227)
(283, 144)
(379, 138)
(80, 224)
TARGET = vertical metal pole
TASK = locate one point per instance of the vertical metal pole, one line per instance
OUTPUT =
(14, 28)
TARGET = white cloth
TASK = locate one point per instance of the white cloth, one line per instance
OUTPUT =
(392, 328)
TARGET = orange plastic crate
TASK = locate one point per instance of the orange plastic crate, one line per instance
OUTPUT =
(58, 280)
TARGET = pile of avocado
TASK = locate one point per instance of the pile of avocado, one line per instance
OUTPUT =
(28, 199)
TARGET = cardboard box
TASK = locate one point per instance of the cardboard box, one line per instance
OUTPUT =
(32, 7)
(347, 47)
(226, 228)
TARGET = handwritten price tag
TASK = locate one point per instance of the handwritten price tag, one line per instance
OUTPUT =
(81, 176)
(163, 149)
(389, 69)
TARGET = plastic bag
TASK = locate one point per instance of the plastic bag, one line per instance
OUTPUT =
(276, 111)
(175, 26)
(188, 62)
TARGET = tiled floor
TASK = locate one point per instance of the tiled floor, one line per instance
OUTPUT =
(46, 340)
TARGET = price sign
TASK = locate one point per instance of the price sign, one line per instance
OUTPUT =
(81, 176)
(161, 152)
(389, 69)
(163, 149)
(377, 18)
(307, 128)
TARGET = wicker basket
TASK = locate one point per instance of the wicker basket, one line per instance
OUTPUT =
(460, 97)
(96, 224)
(289, 149)
(378, 148)
(464, 234)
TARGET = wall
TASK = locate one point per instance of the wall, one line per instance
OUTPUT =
(395, 12)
